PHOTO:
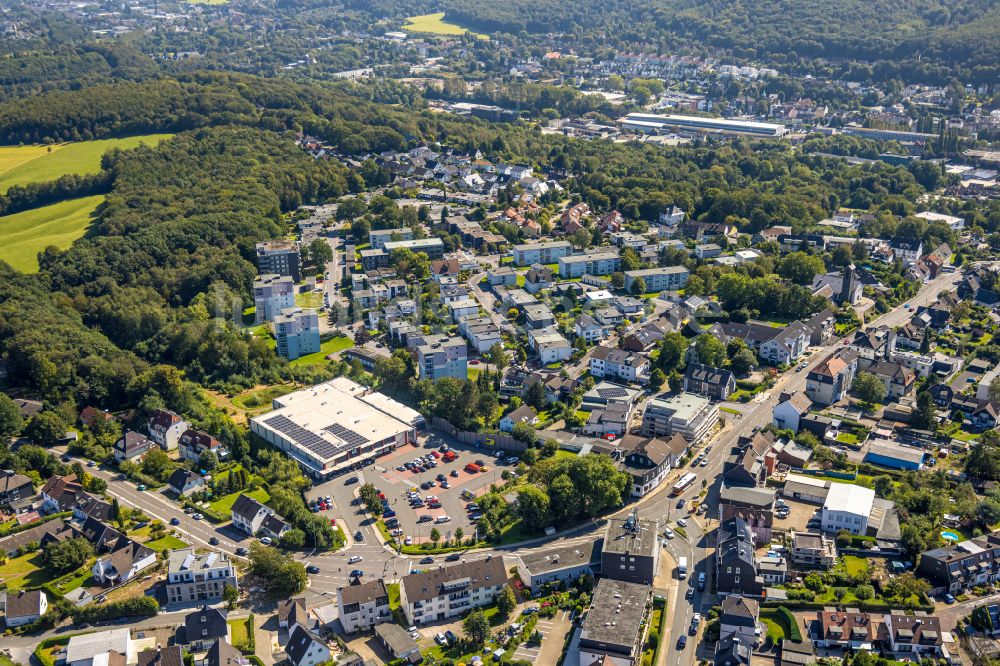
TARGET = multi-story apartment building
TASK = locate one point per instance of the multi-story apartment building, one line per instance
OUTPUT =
(432, 247)
(736, 569)
(297, 333)
(165, 428)
(612, 631)
(787, 346)
(669, 278)
(916, 636)
(686, 413)
(541, 253)
(962, 566)
(363, 606)
(195, 577)
(280, 257)
(611, 363)
(438, 594)
(593, 263)
(648, 461)
(272, 293)
(377, 238)
(829, 382)
(709, 381)
(443, 357)
(631, 550)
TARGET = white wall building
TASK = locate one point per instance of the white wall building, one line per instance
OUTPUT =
(847, 507)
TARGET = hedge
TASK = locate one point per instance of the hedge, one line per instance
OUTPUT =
(137, 606)
(867, 605)
(793, 626)
(42, 648)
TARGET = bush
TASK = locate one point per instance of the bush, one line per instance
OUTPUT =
(137, 606)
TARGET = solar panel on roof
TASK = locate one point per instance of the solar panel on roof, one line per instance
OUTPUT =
(612, 393)
(353, 438)
(303, 437)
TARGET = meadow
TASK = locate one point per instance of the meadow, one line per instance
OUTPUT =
(435, 24)
(28, 233)
(20, 165)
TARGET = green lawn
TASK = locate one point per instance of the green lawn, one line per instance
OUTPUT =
(27, 233)
(473, 373)
(730, 410)
(847, 438)
(855, 565)
(166, 542)
(309, 299)
(25, 572)
(435, 23)
(20, 165)
(224, 505)
(79, 578)
(238, 632)
(335, 344)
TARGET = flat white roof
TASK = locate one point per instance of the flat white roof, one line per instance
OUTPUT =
(702, 121)
(684, 405)
(849, 498)
(88, 646)
(330, 418)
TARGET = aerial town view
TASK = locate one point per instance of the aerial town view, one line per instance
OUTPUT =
(463, 333)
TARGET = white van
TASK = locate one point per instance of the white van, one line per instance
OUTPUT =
(442, 519)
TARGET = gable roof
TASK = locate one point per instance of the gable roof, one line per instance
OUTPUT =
(300, 640)
(247, 507)
(25, 603)
(180, 478)
(223, 654)
(430, 584)
(364, 593)
(205, 623)
(162, 656)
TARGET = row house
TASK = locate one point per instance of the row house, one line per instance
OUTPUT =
(958, 567)
(735, 564)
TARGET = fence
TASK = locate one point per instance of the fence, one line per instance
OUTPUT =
(489, 439)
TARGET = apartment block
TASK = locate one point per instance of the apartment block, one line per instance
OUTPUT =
(194, 577)
(541, 253)
(593, 263)
(297, 332)
(686, 413)
(272, 293)
(443, 357)
(670, 278)
(279, 257)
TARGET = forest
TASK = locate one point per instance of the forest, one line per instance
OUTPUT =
(927, 40)
(170, 256)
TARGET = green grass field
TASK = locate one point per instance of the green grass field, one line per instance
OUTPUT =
(435, 24)
(166, 542)
(327, 347)
(225, 504)
(309, 299)
(25, 572)
(28, 233)
(20, 165)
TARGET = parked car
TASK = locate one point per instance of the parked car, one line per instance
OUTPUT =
(682, 522)
(408, 541)
(452, 638)
(949, 598)
(266, 541)
(669, 533)
(312, 568)
(197, 516)
(681, 502)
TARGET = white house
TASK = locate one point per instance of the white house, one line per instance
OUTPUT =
(363, 606)
(847, 507)
(787, 346)
(789, 410)
(24, 607)
(304, 648)
(123, 564)
(586, 327)
(165, 428)
(523, 414)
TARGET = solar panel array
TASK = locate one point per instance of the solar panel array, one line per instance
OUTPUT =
(612, 393)
(346, 434)
(303, 437)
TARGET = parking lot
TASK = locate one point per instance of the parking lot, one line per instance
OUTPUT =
(394, 483)
(799, 514)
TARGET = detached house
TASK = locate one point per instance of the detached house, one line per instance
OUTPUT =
(607, 362)
(184, 482)
(898, 380)
(523, 414)
(60, 493)
(24, 607)
(787, 346)
(252, 517)
(304, 648)
(648, 461)
(132, 446)
(202, 628)
(828, 382)
(16, 490)
(193, 443)
(789, 410)
(706, 380)
(165, 428)
(123, 563)
(363, 606)
(844, 629)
